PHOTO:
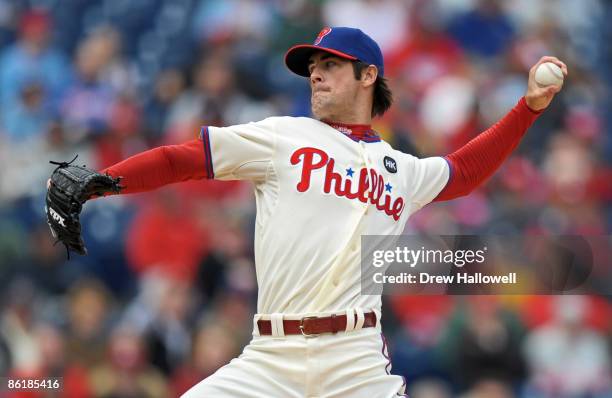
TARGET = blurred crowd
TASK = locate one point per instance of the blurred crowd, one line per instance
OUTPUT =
(167, 292)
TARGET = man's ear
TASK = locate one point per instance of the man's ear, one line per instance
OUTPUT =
(369, 75)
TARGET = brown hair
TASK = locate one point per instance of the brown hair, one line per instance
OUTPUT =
(383, 97)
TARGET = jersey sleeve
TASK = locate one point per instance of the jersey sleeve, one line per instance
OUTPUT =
(428, 177)
(240, 152)
(478, 160)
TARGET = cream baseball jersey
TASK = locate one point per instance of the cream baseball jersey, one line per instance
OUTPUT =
(317, 191)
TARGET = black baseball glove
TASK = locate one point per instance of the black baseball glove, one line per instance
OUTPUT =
(68, 188)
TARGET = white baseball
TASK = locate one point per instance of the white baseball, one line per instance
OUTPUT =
(548, 74)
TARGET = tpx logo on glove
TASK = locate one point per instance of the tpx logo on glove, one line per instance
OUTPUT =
(57, 217)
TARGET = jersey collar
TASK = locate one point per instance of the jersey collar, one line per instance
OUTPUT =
(356, 132)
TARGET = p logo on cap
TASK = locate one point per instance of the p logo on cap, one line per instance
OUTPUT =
(324, 32)
(344, 42)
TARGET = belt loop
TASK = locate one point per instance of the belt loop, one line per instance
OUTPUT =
(350, 320)
(360, 318)
(276, 320)
(377, 313)
(256, 318)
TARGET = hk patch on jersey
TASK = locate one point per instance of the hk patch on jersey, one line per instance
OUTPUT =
(390, 164)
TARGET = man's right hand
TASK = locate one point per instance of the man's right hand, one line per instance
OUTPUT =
(67, 189)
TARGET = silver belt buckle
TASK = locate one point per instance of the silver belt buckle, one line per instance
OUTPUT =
(302, 327)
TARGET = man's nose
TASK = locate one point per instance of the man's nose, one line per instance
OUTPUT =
(315, 76)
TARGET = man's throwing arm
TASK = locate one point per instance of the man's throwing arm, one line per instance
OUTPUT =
(477, 160)
(472, 164)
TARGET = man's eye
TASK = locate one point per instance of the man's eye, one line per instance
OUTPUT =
(330, 63)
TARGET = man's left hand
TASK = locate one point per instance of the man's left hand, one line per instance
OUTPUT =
(538, 98)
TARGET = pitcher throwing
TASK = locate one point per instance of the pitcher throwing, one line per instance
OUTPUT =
(320, 184)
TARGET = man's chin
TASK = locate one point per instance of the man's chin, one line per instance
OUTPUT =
(318, 111)
(317, 114)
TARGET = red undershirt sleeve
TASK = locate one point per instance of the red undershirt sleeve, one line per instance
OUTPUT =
(161, 166)
(476, 161)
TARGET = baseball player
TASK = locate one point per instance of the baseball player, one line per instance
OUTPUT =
(320, 184)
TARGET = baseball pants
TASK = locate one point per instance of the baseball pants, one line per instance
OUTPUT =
(352, 364)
